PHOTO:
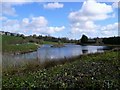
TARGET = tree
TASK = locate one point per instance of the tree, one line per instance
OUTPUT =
(34, 36)
(84, 39)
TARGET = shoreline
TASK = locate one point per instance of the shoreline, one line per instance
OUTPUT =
(18, 53)
(27, 49)
(100, 45)
(91, 69)
(70, 59)
(114, 47)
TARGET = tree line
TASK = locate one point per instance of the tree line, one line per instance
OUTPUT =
(39, 39)
(108, 40)
(52, 39)
(83, 40)
(112, 40)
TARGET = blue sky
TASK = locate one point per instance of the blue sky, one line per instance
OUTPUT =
(63, 19)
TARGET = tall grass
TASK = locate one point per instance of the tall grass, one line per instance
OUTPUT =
(35, 64)
(15, 65)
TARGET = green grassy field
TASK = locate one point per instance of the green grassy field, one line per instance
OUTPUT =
(13, 45)
(93, 71)
(48, 42)
(20, 48)
(11, 40)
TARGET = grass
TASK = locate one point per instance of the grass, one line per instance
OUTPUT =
(20, 48)
(11, 40)
(93, 71)
(16, 45)
(48, 42)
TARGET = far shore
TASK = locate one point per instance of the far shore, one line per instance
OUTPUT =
(21, 48)
(101, 45)
(34, 47)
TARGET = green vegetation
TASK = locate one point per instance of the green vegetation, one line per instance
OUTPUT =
(17, 44)
(49, 42)
(11, 40)
(20, 48)
(112, 40)
(84, 39)
(12, 44)
(93, 71)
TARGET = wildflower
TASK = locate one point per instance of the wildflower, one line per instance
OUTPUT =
(75, 78)
(92, 78)
(65, 73)
(63, 84)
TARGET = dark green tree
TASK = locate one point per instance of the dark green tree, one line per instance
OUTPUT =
(84, 39)
(34, 35)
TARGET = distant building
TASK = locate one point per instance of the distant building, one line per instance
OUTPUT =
(7, 33)
(99, 41)
(2, 33)
(18, 35)
(91, 41)
(13, 34)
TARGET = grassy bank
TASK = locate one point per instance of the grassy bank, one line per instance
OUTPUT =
(48, 42)
(20, 48)
(17, 45)
(94, 71)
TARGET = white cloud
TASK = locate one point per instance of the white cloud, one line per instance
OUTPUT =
(84, 27)
(83, 20)
(25, 21)
(110, 30)
(55, 29)
(53, 5)
(92, 7)
(10, 22)
(39, 21)
(17, 1)
(7, 9)
(37, 25)
(110, 27)
(3, 18)
(11, 26)
(116, 5)
(91, 10)
(8, 6)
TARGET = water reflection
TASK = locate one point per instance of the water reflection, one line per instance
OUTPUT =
(84, 51)
(46, 52)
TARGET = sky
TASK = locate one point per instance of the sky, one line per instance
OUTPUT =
(61, 19)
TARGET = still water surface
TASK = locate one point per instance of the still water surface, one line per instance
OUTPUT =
(46, 52)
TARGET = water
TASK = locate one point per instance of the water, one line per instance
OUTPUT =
(46, 52)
